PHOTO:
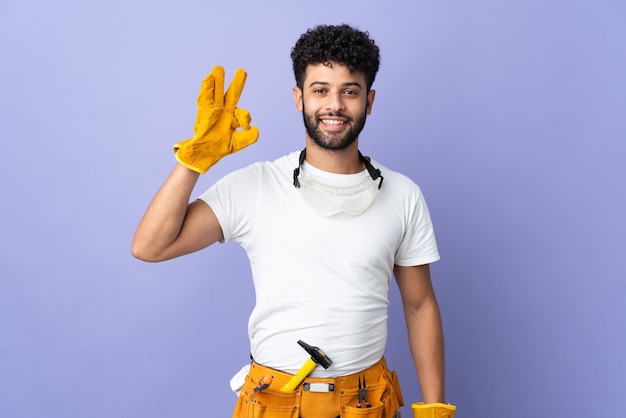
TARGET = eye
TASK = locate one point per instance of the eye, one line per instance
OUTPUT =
(350, 92)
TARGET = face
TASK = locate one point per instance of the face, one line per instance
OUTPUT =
(334, 104)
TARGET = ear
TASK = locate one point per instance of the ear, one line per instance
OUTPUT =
(370, 101)
(297, 97)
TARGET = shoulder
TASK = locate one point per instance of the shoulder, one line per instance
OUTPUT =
(396, 181)
(401, 194)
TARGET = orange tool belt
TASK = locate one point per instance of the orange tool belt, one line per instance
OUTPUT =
(320, 397)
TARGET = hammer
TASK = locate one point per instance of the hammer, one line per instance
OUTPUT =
(317, 357)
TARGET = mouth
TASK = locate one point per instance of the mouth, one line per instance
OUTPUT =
(333, 123)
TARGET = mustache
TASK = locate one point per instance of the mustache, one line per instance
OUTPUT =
(335, 115)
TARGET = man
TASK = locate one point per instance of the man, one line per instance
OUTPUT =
(324, 234)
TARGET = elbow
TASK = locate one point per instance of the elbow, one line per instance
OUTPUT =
(139, 254)
(143, 253)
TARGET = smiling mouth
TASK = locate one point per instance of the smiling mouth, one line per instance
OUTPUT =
(332, 122)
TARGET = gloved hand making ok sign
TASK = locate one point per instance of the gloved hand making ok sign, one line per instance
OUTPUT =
(216, 131)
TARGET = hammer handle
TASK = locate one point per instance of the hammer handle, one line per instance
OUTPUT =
(300, 375)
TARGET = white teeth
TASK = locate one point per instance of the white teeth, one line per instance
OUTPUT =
(332, 122)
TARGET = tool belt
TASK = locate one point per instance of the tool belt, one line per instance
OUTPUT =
(321, 397)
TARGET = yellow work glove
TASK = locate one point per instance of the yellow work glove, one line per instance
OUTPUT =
(216, 132)
(433, 410)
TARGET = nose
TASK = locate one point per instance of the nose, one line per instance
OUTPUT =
(335, 102)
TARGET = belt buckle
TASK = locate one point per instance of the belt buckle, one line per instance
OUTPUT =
(318, 387)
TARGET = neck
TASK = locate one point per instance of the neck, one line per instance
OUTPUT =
(345, 161)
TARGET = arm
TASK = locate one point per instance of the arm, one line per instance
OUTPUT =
(171, 226)
(424, 329)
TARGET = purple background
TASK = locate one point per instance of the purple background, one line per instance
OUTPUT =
(509, 114)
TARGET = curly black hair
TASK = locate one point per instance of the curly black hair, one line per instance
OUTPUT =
(342, 44)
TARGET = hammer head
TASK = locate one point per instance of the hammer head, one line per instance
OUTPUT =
(317, 355)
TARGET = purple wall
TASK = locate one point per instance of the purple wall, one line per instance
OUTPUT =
(510, 115)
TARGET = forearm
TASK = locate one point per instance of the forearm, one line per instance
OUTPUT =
(426, 343)
(163, 221)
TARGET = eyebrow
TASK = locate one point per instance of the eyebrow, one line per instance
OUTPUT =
(347, 84)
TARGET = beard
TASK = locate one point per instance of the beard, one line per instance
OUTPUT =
(329, 140)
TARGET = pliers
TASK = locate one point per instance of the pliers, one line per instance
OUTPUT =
(264, 383)
(363, 395)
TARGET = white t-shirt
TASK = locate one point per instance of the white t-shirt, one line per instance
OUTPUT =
(320, 279)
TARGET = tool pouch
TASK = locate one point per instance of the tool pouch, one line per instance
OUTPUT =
(270, 403)
(383, 393)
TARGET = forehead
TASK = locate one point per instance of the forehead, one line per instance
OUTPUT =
(332, 73)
